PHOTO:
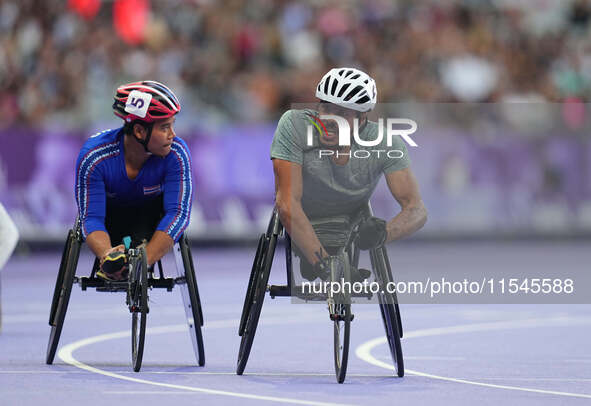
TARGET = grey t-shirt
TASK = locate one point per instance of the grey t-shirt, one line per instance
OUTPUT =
(329, 188)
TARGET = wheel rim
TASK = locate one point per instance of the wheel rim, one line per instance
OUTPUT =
(135, 336)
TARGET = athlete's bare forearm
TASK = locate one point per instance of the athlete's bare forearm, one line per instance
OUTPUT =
(300, 230)
(99, 243)
(159, 245)
(410, 219)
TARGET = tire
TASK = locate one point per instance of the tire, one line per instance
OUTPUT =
(62, 292)
(196, 287)
(342, 328)
(60, 276)
(196, 313)
(261, 278)
(391, 327)
(342, 334)
(256, 264)
(394, 296)
(388, 311)
(139, 297)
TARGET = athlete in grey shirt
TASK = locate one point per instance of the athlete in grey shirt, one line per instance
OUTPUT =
(316, 178)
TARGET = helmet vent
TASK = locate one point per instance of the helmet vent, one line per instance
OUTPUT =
(364, 99)
(333, 88)
(345, 87)
(353, 92)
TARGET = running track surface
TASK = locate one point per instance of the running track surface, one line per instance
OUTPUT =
(454, 354)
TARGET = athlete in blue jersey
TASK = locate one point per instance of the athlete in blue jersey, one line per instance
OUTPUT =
(135, 180)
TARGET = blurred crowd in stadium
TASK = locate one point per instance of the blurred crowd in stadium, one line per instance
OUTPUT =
(237, 65)
(248, 60)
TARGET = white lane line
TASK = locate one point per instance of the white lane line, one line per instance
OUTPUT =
(149, 392)
(287, 375)
(278, 374)
(364, 350)
(533, 379)
(433, 358)
(66, 354)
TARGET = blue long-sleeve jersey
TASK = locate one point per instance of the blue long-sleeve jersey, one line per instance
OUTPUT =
(101, 179)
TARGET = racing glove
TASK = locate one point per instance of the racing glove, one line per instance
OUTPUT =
(372, 233)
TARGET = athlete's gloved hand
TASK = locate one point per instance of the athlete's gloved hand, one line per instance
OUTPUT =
(114, 264)
(372, 233)
(322, 270)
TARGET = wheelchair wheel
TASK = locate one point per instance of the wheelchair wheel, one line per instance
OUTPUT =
(394, 296)
(260, 278)
(193, 305)
(388, 311)
(139, 307)
(342, 331)
(256, 264)
(341, 325)
(60, 277)
(390, 326)
(61, 294)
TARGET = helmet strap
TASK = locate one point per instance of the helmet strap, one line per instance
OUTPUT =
(148, 127)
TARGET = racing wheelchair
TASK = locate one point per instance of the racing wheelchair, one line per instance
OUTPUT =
(141, 279)
(339, 305)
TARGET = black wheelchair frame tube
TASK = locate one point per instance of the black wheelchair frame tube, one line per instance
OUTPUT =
(288, 260)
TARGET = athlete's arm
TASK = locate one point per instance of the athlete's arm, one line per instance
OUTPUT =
(99, 243)
(178, 198)
(413, 215)
(159, 245)
(91, 200)
(288, 199)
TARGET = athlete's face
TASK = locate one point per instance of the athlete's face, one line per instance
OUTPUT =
(162, 135)
(331, 136)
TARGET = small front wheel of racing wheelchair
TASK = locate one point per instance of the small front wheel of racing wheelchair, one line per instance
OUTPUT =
(388, 307)
(339, 308)
(62, 290)
(138, 303)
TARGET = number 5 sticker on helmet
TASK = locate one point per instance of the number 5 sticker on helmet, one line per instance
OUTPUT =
(138, 103)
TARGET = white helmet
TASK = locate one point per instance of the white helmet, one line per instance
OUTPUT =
(349, 88)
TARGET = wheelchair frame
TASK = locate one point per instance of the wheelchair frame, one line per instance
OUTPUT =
(186, 280)
(258, 286)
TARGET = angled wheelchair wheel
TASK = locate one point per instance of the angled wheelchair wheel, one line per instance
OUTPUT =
(139, 306)
(256, 264)
(62, 291)
(390, 326)
(394, 296)
(341, 317)
(388, 311)
(193, 308)
(259, 278)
